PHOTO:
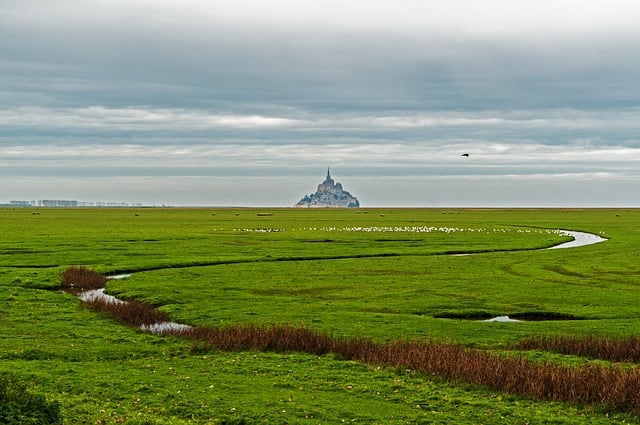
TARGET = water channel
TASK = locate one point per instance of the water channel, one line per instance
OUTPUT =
(579, 239)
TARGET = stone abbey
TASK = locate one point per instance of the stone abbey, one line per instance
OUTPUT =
(329, 195)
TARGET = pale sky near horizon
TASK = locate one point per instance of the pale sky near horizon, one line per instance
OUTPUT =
(246, 103)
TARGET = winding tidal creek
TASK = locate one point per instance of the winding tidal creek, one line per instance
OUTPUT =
(579, 239)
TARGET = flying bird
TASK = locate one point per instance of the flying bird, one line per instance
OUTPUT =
(465, 154)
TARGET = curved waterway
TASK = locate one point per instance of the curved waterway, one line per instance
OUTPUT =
(99, 295)
(579, 239)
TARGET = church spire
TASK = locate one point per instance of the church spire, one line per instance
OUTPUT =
(328, 181)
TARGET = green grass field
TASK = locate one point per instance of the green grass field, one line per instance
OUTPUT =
(384, 274)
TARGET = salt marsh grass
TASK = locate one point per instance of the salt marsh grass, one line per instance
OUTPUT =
(592, 384)
(385, 280)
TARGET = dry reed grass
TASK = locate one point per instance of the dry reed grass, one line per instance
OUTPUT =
(76, 279)
(131, 313)
(610, 349)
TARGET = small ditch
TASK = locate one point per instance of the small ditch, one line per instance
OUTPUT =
(88, 285)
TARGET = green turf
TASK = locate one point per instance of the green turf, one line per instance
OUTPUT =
(385, 273)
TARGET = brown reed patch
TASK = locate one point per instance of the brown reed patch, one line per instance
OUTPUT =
(610, 349)
(132, 313)
(76, 279)
(242, 337)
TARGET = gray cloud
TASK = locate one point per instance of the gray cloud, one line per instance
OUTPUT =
(224, 56)
(606, 127)
(539, 93)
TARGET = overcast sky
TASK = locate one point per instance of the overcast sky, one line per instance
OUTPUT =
(246, 103)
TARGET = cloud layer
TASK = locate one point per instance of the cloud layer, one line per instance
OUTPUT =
(264, 95)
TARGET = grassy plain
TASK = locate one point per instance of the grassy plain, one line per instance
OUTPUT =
(385, 274)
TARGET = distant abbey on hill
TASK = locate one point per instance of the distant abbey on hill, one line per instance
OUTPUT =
(329, 195)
